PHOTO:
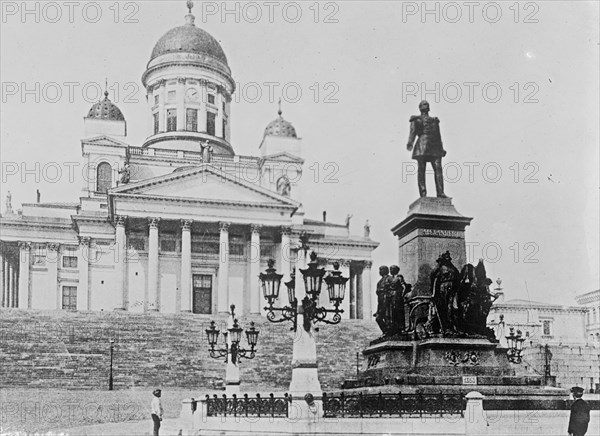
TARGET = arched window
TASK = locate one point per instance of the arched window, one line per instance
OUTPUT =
(103, 177)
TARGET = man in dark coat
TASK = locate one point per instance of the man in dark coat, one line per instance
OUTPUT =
(580, 414)
(427, 148)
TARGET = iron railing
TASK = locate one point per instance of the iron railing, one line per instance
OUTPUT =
(248, 406)
(390, 405)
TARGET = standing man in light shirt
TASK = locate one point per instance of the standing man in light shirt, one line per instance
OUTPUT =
(156, 410)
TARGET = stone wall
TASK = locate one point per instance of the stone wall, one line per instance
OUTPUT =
(572, 365)
(71, 350)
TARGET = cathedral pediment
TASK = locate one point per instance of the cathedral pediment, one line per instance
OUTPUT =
(283, 157)
(104, 141)
(203, 184)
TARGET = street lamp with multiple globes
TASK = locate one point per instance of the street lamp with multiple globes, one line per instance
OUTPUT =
(515, 346)
(304, 359)
(313, 276)
(232, 351)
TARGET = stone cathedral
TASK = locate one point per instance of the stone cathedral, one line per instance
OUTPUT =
(180, 223)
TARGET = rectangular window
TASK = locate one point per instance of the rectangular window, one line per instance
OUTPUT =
(69, 297)
(546, 326)
(267, 251)
(69, 262)
(236, 251)
(171, 120)
(211, 99)
(224, 128)
(171, 95)
(156, 124)
(191, 120)
(205, 249)
(156, 99)
(210, 123)
(137, 244)
(168, 245)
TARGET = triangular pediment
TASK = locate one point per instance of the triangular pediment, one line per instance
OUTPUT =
(204, 184)
(283, 157)
(105, 141)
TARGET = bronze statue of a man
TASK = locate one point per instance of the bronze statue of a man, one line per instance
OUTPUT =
(381, 316)
(396, 303)
(428, 148)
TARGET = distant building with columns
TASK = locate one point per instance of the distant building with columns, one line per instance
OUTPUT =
(181, 222)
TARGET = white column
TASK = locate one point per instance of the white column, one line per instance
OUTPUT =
(120, 265)
(24, 297)
(284, 266)
(11, 285)
(83, 265)
(219, 120)
(202, 112)
(223, 288)
(52, 258)
(351, 293)
(254, 258)
(186, 266)
(345, 269)
(3, 282)
(367, 292)
(162, 113)
(181, 104)
(153, 264)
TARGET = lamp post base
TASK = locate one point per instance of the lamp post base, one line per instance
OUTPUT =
(305, 380)
(305, 376)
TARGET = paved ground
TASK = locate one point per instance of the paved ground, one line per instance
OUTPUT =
(169, 427)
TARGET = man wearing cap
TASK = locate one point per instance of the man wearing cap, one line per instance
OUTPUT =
(156, 410)
(580, 414)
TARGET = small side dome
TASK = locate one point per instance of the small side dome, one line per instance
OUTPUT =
(280, 127)
(106, 110)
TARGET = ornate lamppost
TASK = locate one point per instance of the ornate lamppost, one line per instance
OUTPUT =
(232, 350)
(304, 359)
(515, 346)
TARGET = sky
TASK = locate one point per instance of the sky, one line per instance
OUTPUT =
(515, 86)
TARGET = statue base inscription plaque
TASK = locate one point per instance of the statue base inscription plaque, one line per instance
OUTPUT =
(431, 227)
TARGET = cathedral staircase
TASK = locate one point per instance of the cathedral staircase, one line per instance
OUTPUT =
(70, 350)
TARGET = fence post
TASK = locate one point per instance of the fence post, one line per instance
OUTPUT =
(475, 423)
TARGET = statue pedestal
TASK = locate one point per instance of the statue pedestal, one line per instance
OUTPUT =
(454, 363)
(431, 227)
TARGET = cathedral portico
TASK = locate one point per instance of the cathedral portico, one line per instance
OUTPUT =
(179, 223)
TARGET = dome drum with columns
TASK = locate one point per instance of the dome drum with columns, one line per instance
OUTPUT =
(172, 224)
(189, 88)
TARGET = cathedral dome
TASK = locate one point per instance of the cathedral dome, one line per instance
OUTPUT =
(189, 39)
(106, 110)
(280, 127)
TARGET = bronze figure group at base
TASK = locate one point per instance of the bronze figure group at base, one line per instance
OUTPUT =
(457, 306)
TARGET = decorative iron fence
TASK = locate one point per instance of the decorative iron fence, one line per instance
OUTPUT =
(248, 406)
(389, 405)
